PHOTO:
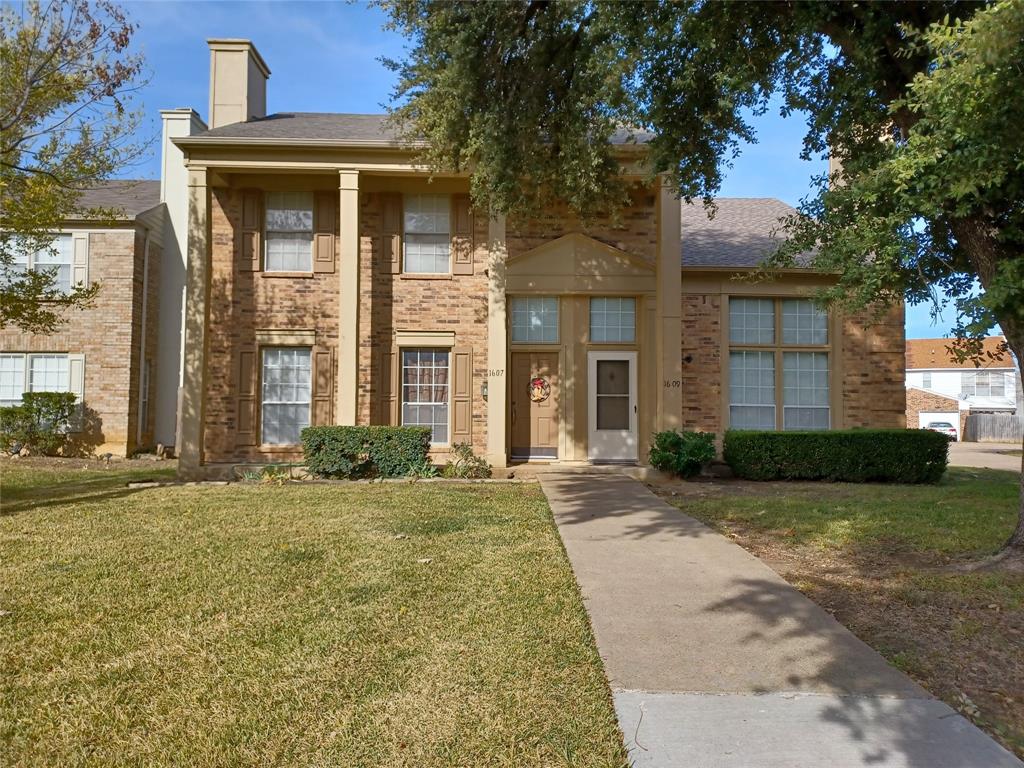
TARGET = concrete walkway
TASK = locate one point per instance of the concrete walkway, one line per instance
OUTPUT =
(716, 662)
(990, 455)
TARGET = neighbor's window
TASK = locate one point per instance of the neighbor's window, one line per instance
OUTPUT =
(984, 384)
(286, 394)
(612, 320)
(535, 319)
(20, 373)
(55, 258)
(926, 380)
(427, 237)
(769, 337)
(425, 391)
(289, 232)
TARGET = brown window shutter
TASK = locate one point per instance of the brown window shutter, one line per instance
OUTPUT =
(325, 214)
(323, 386)
(251, 230)
(389, 389)
(462, 395)
(391, 232)
(462, 235)
(248, 379)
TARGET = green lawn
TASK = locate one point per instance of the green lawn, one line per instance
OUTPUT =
(355, 625)
(883, 559)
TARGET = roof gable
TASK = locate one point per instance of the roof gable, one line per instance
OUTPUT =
(934, 353)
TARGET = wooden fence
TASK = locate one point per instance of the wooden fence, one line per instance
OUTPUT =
(994, 428)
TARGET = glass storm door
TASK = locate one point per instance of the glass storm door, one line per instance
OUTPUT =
(612, 410)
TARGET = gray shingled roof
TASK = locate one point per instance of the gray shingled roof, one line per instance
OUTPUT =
(133, 196)
(740, 235)
(337, 128)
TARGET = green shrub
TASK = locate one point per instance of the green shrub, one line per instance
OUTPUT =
(41, 423)
(354, 452)
(466, 464)
(681, 452)
(853, 456)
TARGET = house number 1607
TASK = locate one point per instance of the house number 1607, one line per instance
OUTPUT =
(673, 384)
(495, 372)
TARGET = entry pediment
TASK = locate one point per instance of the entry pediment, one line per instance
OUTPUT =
(578, 255)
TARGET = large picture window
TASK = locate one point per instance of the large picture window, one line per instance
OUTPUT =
(778, 365)
(535, 320)
(427, 234)
(285, 394)
(289, 228)
(612, 320)
(20, 373)
(425, 391)
(984, 384)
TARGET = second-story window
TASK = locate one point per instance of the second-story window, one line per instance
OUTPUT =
(427, 234)
(289, 232)
(55, 258)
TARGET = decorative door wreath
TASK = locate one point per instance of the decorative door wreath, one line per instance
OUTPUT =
(540, 390)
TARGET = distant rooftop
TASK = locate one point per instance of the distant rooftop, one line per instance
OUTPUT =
(337, 128)
(740, 235)
(934, 353)
(132, 196)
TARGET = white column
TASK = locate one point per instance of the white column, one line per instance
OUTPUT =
(669, 304)
(497, 344)
(348, 299)
(197, 292)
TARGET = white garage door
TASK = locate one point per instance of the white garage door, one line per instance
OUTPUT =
(953, 417)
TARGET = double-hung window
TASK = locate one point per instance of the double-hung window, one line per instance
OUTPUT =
(289, 232)
(535, 320)
(427, 235)
(20, 373)
(778, 364)
(425, 391)
(984, 384)
(55, 258)
(286, 394)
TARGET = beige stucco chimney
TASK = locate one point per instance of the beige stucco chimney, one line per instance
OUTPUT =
(238, 82)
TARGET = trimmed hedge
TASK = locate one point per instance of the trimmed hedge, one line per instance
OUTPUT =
(354, 452)
(852, 456)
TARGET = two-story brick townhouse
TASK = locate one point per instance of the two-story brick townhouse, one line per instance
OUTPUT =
(332, 281)
(106, 353)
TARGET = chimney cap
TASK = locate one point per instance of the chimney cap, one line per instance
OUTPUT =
(239, 44)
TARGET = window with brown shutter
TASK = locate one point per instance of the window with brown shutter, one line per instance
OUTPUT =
(251, 230)
(462, 395)
(462, 235)
(391, 232)
(325, 214)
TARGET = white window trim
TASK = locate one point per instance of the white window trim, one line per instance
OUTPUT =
(448, 388)
(263, 403)
(31, 264)
(406, 232)
(311, 232)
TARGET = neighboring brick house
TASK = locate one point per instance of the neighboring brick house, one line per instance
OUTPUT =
(332, 281)
(105, 353)
(942, 388)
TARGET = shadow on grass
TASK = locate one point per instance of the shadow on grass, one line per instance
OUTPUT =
(18, 498)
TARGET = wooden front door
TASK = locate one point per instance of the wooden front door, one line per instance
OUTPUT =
(534, 401)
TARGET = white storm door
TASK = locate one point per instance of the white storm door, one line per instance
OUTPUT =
(612, 411)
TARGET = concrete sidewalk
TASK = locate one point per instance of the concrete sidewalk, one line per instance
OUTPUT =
(716, 662)
(988, 455)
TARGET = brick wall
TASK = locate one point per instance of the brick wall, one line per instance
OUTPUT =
(242, 302)
(918, 401)
(702, 375)
(106, 335)
(873, 355)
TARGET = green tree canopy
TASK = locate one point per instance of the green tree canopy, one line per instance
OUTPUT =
(920, 102)
(66, 83)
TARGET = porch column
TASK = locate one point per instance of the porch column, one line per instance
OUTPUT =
(348, 299)
(669, 309)
(197, 294)
(497, 344)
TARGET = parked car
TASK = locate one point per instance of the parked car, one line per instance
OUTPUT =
(944, 427)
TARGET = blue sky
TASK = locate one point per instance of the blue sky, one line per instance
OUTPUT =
(323, 57)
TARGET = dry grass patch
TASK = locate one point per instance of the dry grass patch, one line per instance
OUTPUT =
(382, 625)
(882, 559)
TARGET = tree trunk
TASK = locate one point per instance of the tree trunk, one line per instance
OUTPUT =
(976, 236)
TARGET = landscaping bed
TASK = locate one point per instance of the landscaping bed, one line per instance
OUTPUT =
(883, 559)
(303, 624)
